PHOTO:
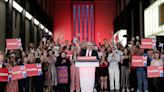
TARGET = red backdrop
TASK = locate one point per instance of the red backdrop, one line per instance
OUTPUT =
(104, 16)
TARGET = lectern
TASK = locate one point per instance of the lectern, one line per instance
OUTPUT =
(87, 67)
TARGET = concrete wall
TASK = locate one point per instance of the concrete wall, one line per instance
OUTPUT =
(35, 35)
(27, 33)
(16, 24)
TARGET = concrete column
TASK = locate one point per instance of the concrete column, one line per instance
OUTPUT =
(22, 28)
(35, 35)
(9, 14)
(32, 30)
(16, 24)
(27, 32)
(132, 23)
(141, 19)
(2, 24)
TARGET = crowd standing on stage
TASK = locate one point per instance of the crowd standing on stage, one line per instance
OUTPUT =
(115, 73)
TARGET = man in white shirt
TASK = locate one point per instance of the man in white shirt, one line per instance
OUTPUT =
(114, 72)
(87, 85)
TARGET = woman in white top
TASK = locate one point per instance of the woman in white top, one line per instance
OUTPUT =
(157, 61)
(114, 72)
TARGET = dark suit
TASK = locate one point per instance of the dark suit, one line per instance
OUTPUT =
(94, 53)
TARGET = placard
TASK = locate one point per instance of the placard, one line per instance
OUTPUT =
(17, 72)
(148, 43)
(4, 75)
(139, 61)
(14, 43)
(34, 69)
(87, 58)
(155, 71)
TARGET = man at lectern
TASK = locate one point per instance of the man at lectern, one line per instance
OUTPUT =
(89, 52)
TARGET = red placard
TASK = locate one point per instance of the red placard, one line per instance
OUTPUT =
(139, 61)
(155, 71)
(148, 43)
(161, 71)
(4, 75)
(33, 69)
(13, 43)
(17, 72)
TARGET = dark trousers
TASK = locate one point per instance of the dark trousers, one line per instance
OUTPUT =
(24, 85)
(150, 85)
(2, 86)
(133, 79)
(97, 78)
(39, 83)
(63, 88)
(158, 85)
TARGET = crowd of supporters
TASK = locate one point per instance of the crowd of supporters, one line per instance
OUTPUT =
(60, 74)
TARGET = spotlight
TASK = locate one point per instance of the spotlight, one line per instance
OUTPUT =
(16, 6)
(28, 15)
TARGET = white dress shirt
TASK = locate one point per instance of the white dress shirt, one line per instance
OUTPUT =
(88, 53)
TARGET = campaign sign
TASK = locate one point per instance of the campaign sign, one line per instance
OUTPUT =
(33, 69)
(155, 71)
(139, 61)
(17, 72)
(4, 75)
(161, 71)
(14, 43)
(148, 43)
(83, 58)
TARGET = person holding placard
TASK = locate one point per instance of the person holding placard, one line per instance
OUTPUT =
(23, 83)
(141, 72)
(157, 61)
(9, 86)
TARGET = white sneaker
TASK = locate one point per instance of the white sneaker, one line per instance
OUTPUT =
(127, 90)
(146, 91)
(123, 89)
(138, 91)
(132, 89)
(94, 90)
(78, 90)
